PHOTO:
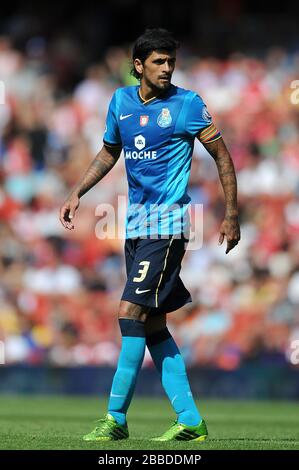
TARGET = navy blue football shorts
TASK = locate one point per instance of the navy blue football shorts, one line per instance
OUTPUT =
(153, 267)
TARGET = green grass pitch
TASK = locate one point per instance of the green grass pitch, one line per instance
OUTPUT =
(59, 423)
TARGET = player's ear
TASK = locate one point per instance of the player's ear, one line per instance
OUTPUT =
(138, 66)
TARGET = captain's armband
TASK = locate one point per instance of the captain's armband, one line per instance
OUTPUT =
(209, 134)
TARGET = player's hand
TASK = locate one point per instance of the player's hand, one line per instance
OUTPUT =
(68, 210)
(231, 230)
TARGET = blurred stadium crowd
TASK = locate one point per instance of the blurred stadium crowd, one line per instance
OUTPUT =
(60, 290)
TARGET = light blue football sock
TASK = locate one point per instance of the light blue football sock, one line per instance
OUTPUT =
(171, 367)
(129, 364)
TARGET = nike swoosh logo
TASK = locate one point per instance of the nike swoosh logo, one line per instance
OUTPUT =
(121, 117)
(141, 291)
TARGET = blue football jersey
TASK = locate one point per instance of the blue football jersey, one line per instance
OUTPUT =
(157, 137)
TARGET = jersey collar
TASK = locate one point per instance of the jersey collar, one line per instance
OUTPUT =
(154, 98)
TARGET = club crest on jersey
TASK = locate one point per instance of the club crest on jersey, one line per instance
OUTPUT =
(144, 120)
(164, 118)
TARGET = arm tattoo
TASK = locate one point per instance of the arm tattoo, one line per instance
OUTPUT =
(227, 175)
(101, 165)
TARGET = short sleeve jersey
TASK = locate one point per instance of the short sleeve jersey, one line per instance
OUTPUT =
(157, 137)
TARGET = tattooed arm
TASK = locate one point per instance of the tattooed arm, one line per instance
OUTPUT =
(230, 225)
(101, 165)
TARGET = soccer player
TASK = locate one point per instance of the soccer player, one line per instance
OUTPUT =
(155, 124)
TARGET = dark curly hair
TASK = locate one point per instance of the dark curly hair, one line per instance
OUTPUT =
(152, 40)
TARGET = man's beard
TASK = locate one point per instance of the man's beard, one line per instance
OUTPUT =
(160, 85)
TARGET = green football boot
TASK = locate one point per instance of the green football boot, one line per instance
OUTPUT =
(108, 429)
(182, 432)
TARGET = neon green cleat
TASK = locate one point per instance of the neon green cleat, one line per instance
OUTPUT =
(182, 432)
(107, 429)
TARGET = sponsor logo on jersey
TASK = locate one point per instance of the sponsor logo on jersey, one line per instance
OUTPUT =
(143, 155)
(164, 118)
(144, 120)
(139, 142)
(121, 117)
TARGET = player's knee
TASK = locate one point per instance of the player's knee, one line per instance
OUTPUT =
(155, 324)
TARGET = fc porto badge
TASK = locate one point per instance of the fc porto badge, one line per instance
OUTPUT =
(164, 118)
(144, 120)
